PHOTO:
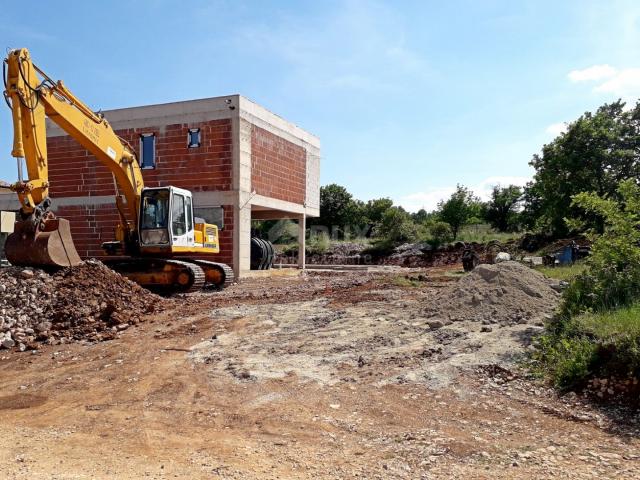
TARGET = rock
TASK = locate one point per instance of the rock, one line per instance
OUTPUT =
(502, 257)
(486, 328)
(27, 274)
(8, 343)
(435, 324)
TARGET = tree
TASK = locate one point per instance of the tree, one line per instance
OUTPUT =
(396, 226)
(503, 208)
(458, 209)
(596, 153)
(338, 209)
(374, 211)
(421, 216)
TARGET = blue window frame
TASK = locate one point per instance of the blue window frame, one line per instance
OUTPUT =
(193, 138)
(148, 150)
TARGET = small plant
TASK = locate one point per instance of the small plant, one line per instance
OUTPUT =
(318, 243)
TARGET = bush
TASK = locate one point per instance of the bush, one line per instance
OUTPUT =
(318, 243)
(612, 277)
(602, 344)
(397, 227)
(440, 233)
(598, 329)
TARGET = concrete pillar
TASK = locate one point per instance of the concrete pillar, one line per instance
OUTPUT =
(242, 239)
(302, 240)
(242, 204)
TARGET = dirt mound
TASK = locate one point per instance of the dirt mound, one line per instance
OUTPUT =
(505, 293)
(87, 302)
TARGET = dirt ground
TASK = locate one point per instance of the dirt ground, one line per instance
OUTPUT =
(325, 375)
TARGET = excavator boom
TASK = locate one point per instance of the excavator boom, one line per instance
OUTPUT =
(40, 239)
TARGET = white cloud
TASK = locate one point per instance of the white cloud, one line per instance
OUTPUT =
(623, 83)
(595, 72)
(556, 129)
(429, 199)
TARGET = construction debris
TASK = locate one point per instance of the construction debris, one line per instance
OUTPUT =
(88, 302)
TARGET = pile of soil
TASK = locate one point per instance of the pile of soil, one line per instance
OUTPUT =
(86, 302)
(506, 293)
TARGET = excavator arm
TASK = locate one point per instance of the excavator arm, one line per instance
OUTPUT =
(32, 96)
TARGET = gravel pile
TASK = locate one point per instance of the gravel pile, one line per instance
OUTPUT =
(88, 302)
(505, 293)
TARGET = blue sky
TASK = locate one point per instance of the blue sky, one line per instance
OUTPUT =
(408, 97)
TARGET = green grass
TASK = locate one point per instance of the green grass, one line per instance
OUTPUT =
(403, 281)
(611, 326)
(564, 272)
(483, 233)
(592, 344)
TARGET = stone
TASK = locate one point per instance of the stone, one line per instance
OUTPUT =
(486, 328)
(27, 274)
(502, 257)
(435, 324)
(8, 343)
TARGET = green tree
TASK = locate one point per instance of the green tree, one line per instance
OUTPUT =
(458, 209)
(421, 216)
(596, 153)
(440, 233)
(396, 226)
(373, 212)
(339, 210)
(612, 278)
(503, 208)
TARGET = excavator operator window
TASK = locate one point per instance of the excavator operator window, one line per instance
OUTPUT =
(154, 218)
(179, 222)
(155, 209)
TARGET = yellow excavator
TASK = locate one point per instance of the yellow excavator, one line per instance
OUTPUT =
(157, 233)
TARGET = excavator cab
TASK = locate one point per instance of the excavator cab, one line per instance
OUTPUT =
(167, 224)
(166, 218)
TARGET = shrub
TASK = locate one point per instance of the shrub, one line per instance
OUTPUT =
(612, 277)
(440, 233)
(396, 226)
(598, 329)
(318, 243)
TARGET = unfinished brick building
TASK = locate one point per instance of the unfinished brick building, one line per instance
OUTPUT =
(241, 162)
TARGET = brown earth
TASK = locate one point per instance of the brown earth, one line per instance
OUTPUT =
(319, 376)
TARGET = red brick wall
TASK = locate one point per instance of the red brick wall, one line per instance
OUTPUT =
(91, 225)
(278, 167)
(73, 172)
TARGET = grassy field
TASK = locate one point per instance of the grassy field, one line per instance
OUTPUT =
(566, 272)
(609, 326)
(483, 233)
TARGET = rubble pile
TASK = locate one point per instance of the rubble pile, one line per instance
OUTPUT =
(506, 293)
(87, 302)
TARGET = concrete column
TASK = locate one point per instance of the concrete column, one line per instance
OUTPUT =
(242, 205)
(302, 237)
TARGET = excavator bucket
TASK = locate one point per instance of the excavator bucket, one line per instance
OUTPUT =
(49, 245)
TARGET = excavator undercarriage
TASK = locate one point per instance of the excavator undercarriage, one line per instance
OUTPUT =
(171, 275)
